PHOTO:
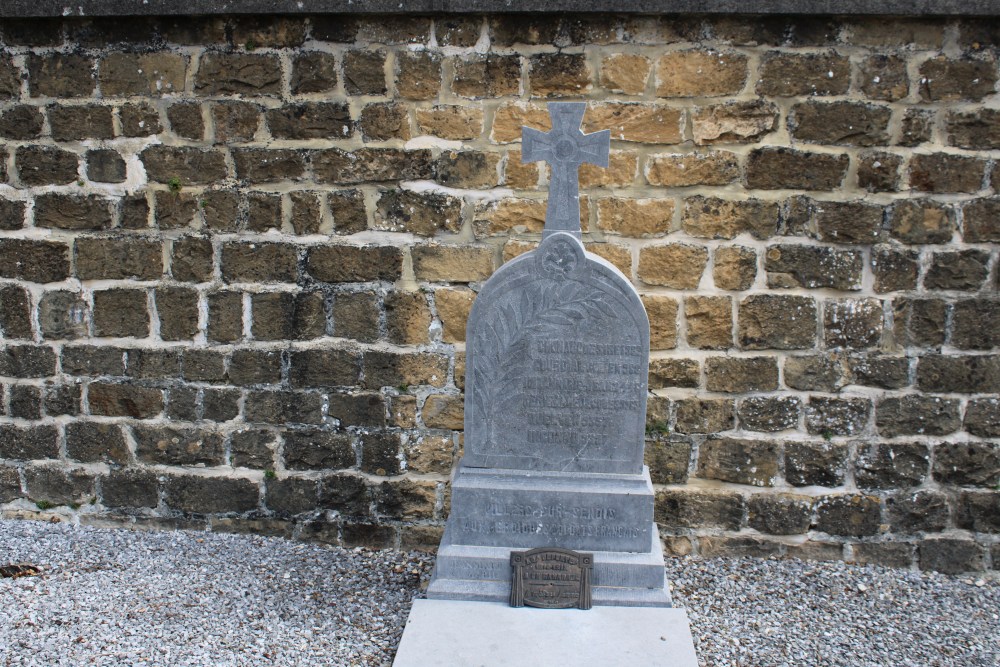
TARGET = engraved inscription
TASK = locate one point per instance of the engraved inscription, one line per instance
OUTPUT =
(558, 366)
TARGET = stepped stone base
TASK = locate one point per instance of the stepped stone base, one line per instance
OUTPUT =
(496, 512)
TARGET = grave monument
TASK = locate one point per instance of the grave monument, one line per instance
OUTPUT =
(557, 349)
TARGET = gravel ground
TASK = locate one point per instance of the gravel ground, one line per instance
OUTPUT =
(118, 597)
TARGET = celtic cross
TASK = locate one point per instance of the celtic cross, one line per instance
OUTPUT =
(565, 148)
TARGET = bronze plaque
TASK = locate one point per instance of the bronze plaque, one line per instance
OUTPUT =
(551, 578)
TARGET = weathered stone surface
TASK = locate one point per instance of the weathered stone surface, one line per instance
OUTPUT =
(122, 400)
(418, 75)
(72, 212)
(894, 269)
(690, 509)
(920, 511)
(61, 315)
(625, 73)
(262, 165)
(222, 73)
(173, 446)
(29, 443)
(753, 462)
(364, 72)
(559, 74)
(688, 169)
(943, 79)
(259, 262)
(211, 495)
(769, 414)
(884, 77)
(848, 515)
(741, 374)
(777, 322)
(700, 73)
(45, 165)
(840, 123)
(453, 305)
(815, 464)
(982, 417)
(979, 511)
(967, 464)
(950, 555)
(734, 268)
(668, 460)
(291, 495)
(371, 165)
(452, 263)
(408, 317)
(283, 407)
(785, 168)
(704, 415)
(919, 322)
(837, 416)
(677, 265)
(921, 221)
(15, 313)
(21, 121)
(111, 258)
(782, 514)
(466, 169)
(395, 369)
(709, 322)
(794, 74)
(878, 171)
(421, 214)
(852, 323)
(310, 120)
(78, 122)
(105, 166)
(959, 373)
(958, 270)
(60, 75)
(813, 266)
(382, 121)
(489, 75)
(635, 217)
(10, 485)
(341, 263)
(917, 414)
(313, 72)
(673, 373)
(891, 466)
(975, 323)
(356, 316)
(646, 123)
(59, 486)
(121, 313)
(183, 165)
(943, 172)
(734, 122)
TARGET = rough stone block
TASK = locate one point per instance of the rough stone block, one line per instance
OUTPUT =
(917, 414)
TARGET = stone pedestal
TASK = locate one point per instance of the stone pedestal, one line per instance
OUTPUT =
(496, 511)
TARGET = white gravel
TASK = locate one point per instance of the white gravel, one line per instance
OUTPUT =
(118, 597)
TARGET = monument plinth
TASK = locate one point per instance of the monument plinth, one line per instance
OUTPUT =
(557, 355)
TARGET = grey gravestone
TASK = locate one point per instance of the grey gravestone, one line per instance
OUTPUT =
(555, 409)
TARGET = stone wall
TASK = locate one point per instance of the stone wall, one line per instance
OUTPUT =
(237, 256)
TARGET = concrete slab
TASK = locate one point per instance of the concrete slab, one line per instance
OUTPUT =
(452, 633)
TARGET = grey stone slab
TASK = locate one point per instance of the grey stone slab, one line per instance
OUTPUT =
(579, 511)
(18, 8)
(466, 634)
(557, 359)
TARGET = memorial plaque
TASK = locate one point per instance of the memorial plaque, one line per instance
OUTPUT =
(551, 578)
(557, 358)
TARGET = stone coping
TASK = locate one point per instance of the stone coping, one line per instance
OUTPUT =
(31, 8)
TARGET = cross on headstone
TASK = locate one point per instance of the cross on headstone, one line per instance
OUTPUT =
(565, 148)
